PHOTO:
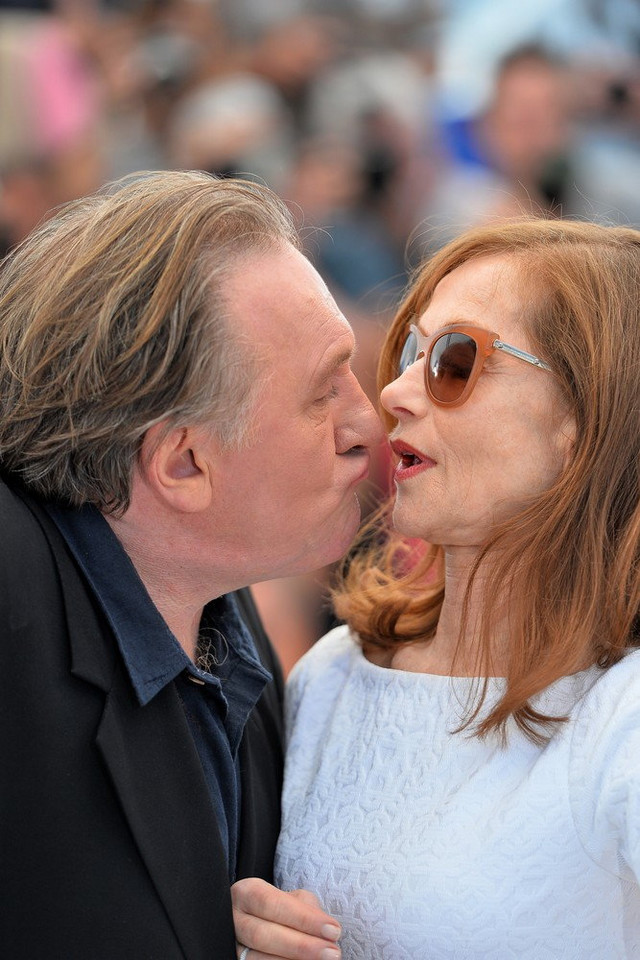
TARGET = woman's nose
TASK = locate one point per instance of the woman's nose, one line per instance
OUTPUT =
(406, 394)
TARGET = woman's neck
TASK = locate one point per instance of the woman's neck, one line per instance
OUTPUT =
(448, 651)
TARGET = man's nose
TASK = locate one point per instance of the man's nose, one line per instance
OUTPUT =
(375, 432)
(362, 426)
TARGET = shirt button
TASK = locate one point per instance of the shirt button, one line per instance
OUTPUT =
(195, 679)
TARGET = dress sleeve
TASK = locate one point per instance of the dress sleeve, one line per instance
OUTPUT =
(604, 770)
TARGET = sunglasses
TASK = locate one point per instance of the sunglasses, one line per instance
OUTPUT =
(454, 358)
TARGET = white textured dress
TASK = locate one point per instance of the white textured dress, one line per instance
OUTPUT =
(429, 845)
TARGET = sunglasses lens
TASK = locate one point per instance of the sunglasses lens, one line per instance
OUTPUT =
(450, 364)
(409, 353)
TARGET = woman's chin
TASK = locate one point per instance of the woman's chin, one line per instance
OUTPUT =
(407, 523)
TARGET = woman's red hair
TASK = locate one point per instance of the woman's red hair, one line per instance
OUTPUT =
(568, 565)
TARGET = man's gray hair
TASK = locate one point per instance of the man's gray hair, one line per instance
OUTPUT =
(113, 319)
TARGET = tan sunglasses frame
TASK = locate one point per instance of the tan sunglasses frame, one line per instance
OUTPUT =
(487, 343)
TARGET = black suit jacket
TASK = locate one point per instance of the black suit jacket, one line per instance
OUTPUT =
(110, 848)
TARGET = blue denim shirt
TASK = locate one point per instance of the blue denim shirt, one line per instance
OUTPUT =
(216, 701)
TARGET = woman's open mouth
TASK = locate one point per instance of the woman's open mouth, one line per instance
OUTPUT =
(411, 461)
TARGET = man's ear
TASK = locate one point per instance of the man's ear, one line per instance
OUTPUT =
(177, 468)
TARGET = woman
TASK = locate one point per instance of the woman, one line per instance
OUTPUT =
(463, 772)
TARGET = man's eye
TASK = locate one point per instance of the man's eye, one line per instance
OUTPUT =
(333, 392)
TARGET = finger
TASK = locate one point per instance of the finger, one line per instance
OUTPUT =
(258, 955)
(276, 940)
(306, 897)
(300, 910)
(310, 949)
(284, 925)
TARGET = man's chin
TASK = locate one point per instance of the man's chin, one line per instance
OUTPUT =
(327, 544)
(346, 534)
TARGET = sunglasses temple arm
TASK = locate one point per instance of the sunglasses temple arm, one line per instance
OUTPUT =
(520, 354)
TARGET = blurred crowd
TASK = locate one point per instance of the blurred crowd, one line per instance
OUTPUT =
(387, 125)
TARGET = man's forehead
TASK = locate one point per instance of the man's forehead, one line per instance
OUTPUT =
(280, 302)
(333, 360)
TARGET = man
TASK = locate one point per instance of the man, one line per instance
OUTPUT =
(178, 419)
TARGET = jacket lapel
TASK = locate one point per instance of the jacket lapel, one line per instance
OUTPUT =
(156, 775)
(261, 770)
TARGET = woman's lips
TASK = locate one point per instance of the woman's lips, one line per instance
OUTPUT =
(412, 461)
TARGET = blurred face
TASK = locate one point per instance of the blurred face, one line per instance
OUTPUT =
(529, 119)
(287, 500)
(461, 470)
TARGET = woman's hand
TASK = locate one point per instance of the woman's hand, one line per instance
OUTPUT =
(282, 926)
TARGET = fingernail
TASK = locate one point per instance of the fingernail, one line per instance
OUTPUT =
(330, 954)
(331, 932)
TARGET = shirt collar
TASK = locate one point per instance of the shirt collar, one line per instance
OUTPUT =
(152, 655)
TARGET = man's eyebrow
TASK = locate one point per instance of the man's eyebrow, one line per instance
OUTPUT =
(332, 364)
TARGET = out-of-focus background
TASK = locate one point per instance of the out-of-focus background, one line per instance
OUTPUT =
(387, 125)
